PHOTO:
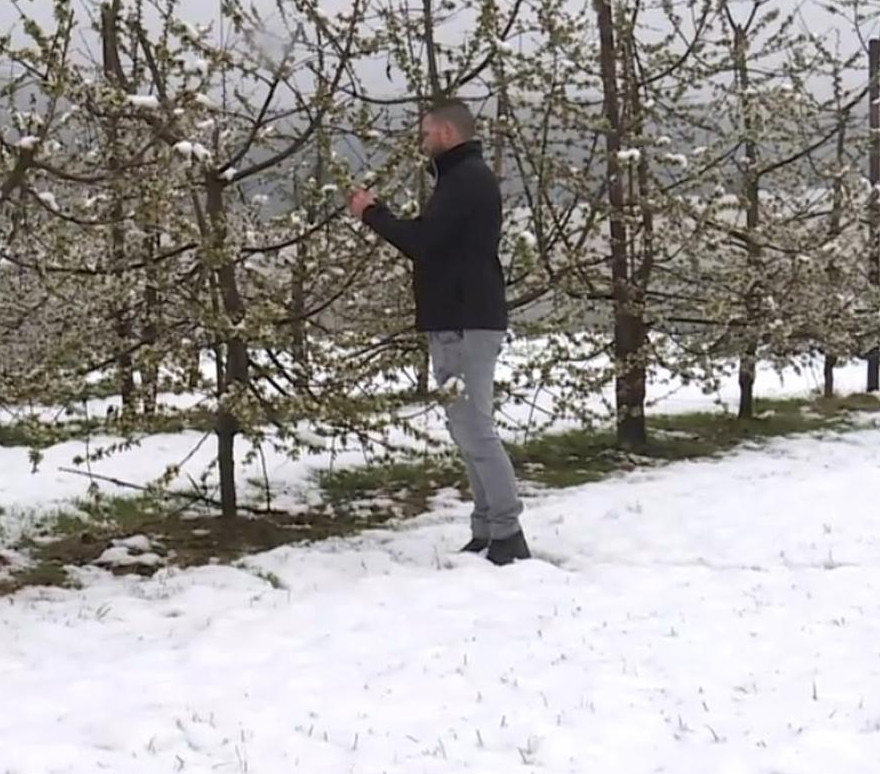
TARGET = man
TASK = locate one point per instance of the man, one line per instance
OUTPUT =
(460, 303)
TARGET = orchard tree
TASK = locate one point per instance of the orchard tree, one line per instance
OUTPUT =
(752, 268)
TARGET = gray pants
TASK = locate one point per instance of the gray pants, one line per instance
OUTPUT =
(471, 355)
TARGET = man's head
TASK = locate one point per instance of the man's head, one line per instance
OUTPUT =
(447, 123)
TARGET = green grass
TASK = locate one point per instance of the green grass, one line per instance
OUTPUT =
(581, 456)
(43, 573)
(409, 485)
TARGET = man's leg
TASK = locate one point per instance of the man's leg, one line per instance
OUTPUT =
(480, 514)
(473, 428)
(446, 349)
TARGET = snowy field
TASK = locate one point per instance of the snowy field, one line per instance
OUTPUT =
(716, 617)
(713, 617)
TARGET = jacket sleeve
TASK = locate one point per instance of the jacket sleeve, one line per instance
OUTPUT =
(425, 235)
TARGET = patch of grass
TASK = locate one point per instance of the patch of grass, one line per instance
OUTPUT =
(43, 573)
(859, 401)
(39, 435)
(567, 459)
(183, 534)
(582, 456)
(403, 489)
(124, 512)
(271, 578)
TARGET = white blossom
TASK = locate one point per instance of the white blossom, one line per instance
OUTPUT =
(143, 101)
(197, 67)
(205, 101)
(528, 239)
(629, 154)
(48, 198)
(678, 159)
(28, 143)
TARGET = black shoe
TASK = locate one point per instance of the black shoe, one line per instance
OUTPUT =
(476, 545)
(507, 550)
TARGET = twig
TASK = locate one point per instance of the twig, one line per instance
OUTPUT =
(190, 496)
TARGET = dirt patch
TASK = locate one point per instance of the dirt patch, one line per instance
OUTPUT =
(175, 540)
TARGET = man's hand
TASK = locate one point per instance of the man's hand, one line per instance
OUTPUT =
(360, 200)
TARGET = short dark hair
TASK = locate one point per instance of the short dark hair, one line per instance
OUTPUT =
(457, 113)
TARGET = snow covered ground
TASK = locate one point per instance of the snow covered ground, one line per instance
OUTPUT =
(719, 616)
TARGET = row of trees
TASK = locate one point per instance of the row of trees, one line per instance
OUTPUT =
(685, 191)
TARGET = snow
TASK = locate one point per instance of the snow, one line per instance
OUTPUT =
(136, 542)
(205, 101)
(192, 150)
(48, 198)
(629, 154)
(716, 616)
(193, 32)
(719, 616)
(679, 159)
(528, 239)
(28, 143)
(201, 152)
(120, 556)
(198, 67)
(145, 101)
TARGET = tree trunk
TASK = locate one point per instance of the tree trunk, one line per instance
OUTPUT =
(748, 360)
(298, 337)
(423, 358)
(830, 363)
(119, 311)
(874, 212)
(194, 369)
(236, 370)
(629, 329)
(747, 363)
(834, 231)
(150, 370)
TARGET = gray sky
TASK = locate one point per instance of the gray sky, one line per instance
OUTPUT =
(205, 11)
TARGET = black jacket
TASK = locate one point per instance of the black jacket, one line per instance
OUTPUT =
(458, 281)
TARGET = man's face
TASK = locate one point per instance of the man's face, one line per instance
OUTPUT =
(437, 136)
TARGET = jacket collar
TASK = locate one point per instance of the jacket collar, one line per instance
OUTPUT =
(445, 161)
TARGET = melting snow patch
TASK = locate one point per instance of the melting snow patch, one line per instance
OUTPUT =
(130, 551)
